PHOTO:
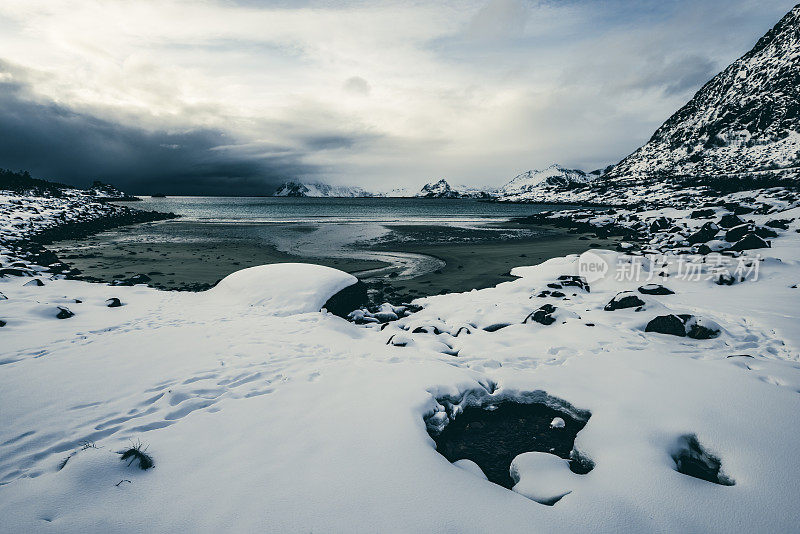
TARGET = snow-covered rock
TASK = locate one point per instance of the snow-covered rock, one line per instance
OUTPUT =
(281, 288)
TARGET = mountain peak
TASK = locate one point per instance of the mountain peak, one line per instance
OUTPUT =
(744, 120)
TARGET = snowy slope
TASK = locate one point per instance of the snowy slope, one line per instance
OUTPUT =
(746, 119)
(442, 189)
(295, 423)
(554, 175)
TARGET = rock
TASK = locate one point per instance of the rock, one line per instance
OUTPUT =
(655, 289)
(660, 224)
(765, 233)
(64, 313)
(3, 297)
(2, 323)
(693, 460)
(544, 315)
(667, 324)
(8, 271)
(702, 329)
(557, 422)
(749, 242)
(707, 232)
(702, 214)
(725, 279)
(782, 224)
(113, 302)
(730, 220)
(495, 327)
(139, 279)
(348, 299)
(575, 281)
(737, 232)
(625, 299)
(35, 282)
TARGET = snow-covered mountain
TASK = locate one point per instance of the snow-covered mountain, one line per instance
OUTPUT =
(442, 189)
(555, 175)
(318, 189)
(746, 120)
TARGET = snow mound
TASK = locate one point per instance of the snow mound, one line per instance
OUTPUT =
(542, 477)
(282, 288)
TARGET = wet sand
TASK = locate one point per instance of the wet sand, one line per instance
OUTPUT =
(474, 258)
(177, 265)
(484, 263)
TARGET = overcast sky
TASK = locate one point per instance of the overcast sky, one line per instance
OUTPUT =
(233, 97)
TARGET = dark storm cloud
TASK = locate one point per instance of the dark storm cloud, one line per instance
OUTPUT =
(54, 142)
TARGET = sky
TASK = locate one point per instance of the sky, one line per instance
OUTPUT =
(236, 97)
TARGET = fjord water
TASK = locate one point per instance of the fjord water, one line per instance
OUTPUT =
(339, 210)
(428, 245)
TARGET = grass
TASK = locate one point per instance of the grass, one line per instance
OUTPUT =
(137, 452)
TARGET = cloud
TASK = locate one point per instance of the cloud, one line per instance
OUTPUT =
(233, 96)
(357, 85)
(55, 142)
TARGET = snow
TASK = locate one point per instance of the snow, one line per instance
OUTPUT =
(542, 477)
(281, 289)
(262, 413)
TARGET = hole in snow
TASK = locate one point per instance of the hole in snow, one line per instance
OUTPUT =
(493, 435)
(692, 459)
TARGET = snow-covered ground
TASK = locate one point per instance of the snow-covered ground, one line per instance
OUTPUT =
(263, 414)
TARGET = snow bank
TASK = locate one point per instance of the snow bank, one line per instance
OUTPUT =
(281, 288)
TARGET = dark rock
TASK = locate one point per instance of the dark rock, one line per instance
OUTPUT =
(660, 224)
(2, 323)
(35, 282)
(698, 331)
(702, 214)
(765, 233)
(749, 242)
(64, 313)
(707, 232)
(730, 220)
(704, 249)
(495, 327)
(737, 232)
(625, 299)
(782, 224)
(348, 299)
(667, 324)
(557, 294)
(725, 279)
(554, 286)
(693, 460)
(12, 272)
(113, 302)
(574, 281)
(543, 315)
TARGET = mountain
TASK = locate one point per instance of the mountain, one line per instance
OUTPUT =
(745, 121)
(442, 189)
(554, 175)
(318, 189)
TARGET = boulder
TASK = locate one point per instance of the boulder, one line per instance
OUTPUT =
(655, 289)
(64, 313)
(737, 232)
(35, 282)
(544, 315)
(113, 302)
(782, 224)
(765, 233)
(707, 232)
(730, 220)
(660, 224)
(749, 242)
(702, 214)
(625, 299)
(667, 324)
(574, 281)
(352, 298)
